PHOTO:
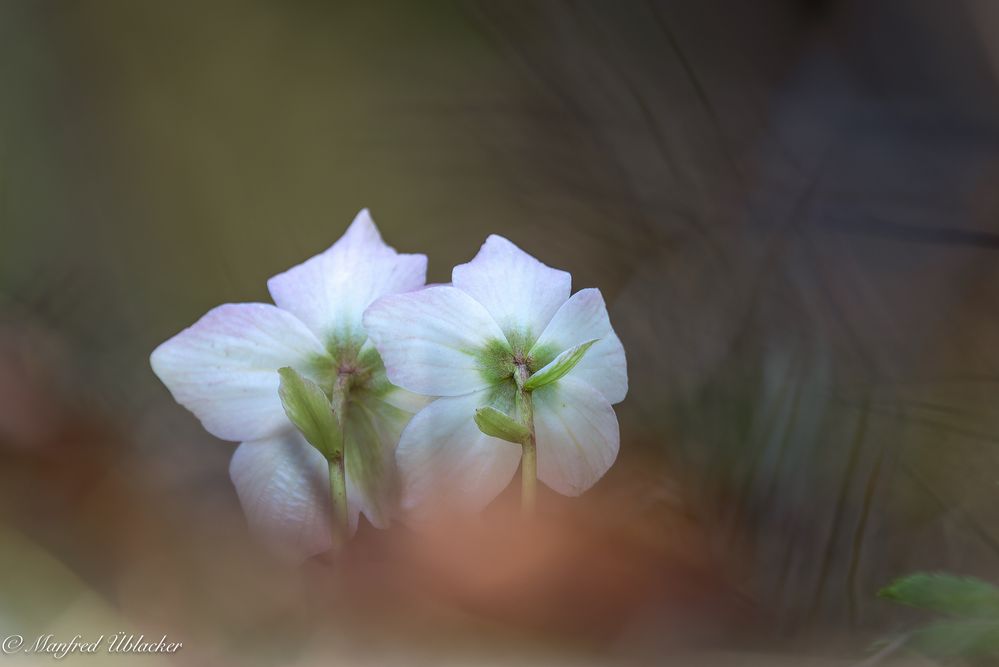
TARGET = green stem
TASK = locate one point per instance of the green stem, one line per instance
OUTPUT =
(338, 492)
(339, 517)
(529, 460)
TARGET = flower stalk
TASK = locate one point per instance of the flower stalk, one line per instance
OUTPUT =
(529, 458)
(339, 517)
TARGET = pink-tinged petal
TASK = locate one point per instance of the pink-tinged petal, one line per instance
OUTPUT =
(521, 293)
(330, 291)
(447, 465)
(432, 340)
(283, 485)
(584, 317)
(223, 368)
(577, 435)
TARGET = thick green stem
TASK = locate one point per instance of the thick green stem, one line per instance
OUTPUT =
(529, 460)
(339, 517)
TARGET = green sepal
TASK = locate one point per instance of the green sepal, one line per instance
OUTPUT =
(310, 411)
(498, 424)
(559, 366)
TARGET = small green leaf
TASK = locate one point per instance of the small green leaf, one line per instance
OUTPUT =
(309, 410)
(500, 425)
(957, 638)
(947, 594)
(559, 366)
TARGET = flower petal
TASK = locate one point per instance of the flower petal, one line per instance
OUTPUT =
(283, 485)
(330, 291)
(521, 293)
(224, 367)
(577, 435)
(446, 465)
(584, 317)
(405, 400)
(373, 430)
(432, 341)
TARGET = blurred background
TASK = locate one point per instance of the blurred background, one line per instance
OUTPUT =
(790, 205)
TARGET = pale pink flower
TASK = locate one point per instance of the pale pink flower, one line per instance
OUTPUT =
(224, 368)
(464, 343)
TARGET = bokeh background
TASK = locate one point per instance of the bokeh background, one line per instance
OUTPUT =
(790, 205)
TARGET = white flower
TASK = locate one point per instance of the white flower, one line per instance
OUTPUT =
(504, 313)
(224, 368)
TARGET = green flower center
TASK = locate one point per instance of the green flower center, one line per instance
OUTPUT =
(499, 360)
(361, 367)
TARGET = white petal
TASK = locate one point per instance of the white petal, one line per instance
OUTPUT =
(330, 291)
(431, 340)
(223, 368)
(406, 400)
(283, 486)
(584, 317)
(521, 293)
(446, 465)
(577, 435)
